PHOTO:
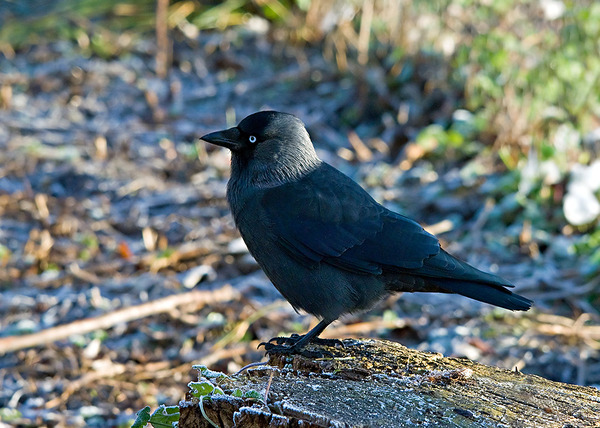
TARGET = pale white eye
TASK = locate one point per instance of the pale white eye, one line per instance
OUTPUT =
(252, 139)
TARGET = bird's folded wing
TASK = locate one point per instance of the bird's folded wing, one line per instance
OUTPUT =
(327, 217)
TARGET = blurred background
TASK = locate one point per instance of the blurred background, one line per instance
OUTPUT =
(120, 265)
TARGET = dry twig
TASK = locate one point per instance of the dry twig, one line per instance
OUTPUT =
(194, 297)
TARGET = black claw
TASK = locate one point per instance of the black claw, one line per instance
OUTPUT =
(293, 345)
(295, 338)
(291, 341)
(293, 350)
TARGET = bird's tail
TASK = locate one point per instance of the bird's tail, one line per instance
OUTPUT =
(484, 292)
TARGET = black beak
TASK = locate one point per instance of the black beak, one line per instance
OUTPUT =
(229, 138)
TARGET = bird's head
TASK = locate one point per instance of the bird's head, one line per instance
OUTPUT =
(268, 146)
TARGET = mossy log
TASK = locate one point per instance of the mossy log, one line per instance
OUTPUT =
(377, 383)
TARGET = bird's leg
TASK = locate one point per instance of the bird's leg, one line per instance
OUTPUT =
(295, 344)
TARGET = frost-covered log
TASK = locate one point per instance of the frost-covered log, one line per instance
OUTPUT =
(384, 384)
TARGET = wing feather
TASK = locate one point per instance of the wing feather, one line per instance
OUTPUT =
(327, 217)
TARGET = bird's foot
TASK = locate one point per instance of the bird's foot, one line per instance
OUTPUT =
(272, 349)
(294, 345)
(296, 338)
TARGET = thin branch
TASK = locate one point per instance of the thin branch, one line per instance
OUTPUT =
(166, 304)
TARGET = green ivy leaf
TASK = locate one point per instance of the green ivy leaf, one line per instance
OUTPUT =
(207, 373)
(141, 418)
(165, 417)
(253, 394)
(199, 389)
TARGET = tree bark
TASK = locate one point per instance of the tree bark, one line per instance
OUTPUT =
(384, 384)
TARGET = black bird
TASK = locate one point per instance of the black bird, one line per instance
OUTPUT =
(324, 242)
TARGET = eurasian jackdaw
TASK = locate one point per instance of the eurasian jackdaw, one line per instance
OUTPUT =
(324, 242)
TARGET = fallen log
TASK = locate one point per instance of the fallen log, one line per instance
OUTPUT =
(379, 383)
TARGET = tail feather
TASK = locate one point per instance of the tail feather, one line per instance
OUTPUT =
(488, 293)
